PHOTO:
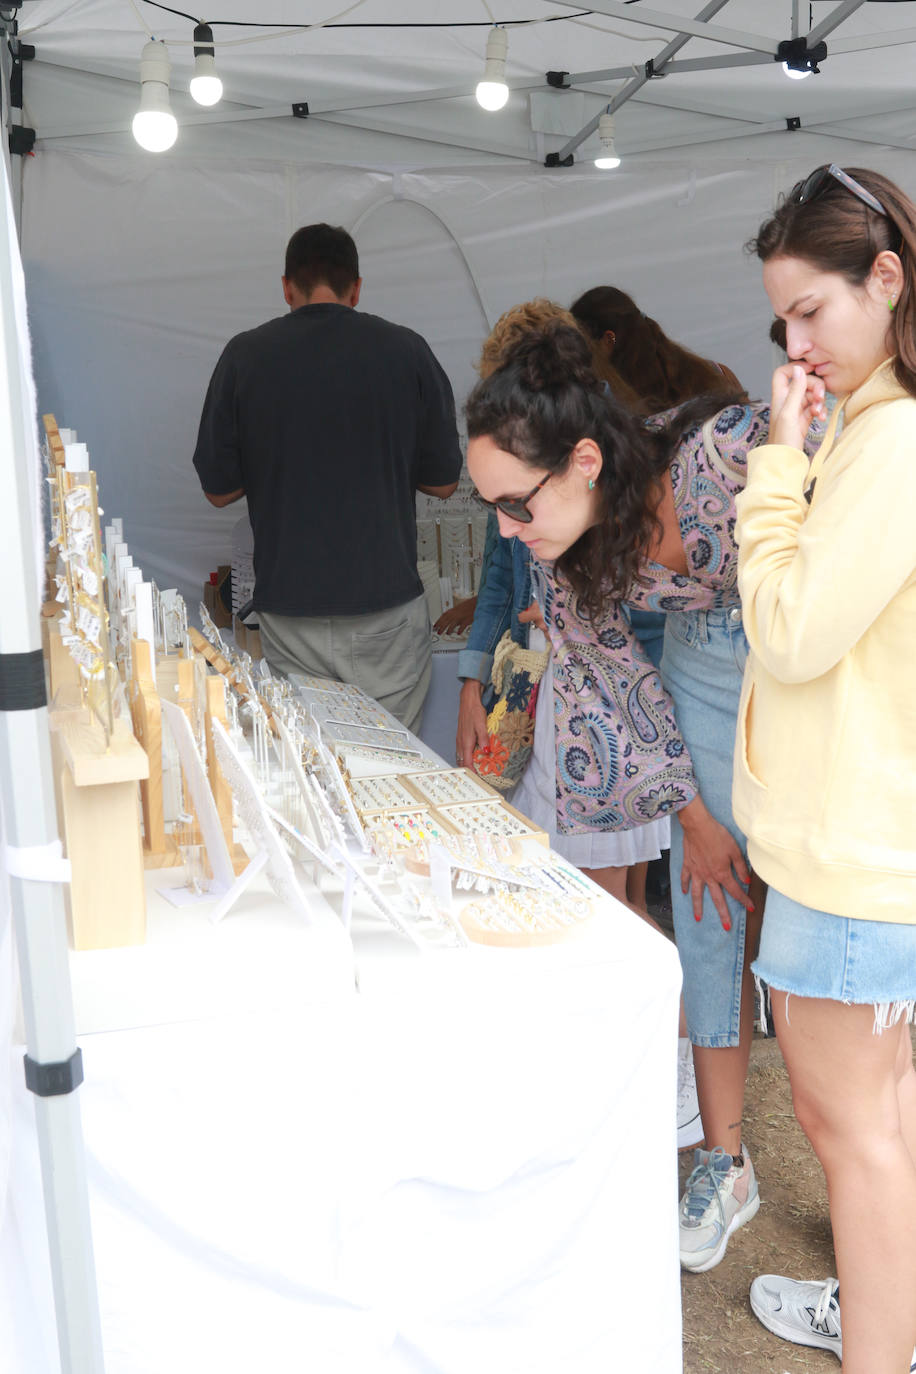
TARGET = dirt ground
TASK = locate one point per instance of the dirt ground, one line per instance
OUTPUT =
(789, 1235)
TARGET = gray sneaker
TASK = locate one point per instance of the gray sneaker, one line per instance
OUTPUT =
(719, 1197)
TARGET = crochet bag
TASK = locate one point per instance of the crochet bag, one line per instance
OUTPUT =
(510, 724)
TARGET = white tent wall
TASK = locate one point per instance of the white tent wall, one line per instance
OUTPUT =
(139, 270)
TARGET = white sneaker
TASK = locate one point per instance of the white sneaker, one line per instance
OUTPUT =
(805, 1313)
(719, 1197)
(689, 1125)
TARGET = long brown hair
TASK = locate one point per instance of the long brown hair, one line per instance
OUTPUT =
(662, 372)
(538, 405)
(837, 232)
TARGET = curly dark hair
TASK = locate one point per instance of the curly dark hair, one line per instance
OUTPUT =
(538, 406)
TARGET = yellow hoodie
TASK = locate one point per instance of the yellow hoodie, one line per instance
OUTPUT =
(825, 759)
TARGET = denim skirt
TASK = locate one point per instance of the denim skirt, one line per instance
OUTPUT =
(815, 954)
(702, 668)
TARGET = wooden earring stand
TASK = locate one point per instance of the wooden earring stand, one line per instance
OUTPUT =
(159, 849)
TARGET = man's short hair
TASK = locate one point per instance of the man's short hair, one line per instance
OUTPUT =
(322, 255)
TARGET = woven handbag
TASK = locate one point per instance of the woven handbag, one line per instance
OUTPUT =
(510, 724)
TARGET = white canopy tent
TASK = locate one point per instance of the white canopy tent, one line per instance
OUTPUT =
(140, 266)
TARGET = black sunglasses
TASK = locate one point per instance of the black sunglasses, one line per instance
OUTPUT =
(516, 507)
(812, 187)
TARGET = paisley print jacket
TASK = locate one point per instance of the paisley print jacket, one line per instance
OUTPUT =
(621, 760)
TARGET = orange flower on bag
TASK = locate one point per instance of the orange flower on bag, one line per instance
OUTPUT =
(491, 758)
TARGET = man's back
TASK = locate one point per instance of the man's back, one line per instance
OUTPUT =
(329, 419)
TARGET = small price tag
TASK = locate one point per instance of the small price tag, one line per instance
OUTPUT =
(440, 875)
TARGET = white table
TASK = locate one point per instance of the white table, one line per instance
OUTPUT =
(468, 1165)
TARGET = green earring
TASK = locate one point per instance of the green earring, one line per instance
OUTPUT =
(891, 303)
(591, 484)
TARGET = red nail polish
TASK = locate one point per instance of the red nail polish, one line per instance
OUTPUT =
(728, 926)
(698, 916)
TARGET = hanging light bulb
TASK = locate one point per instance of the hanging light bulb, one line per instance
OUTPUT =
(154, 126)
(607, 159)
(492, 92)
(206, 87)
(798, 60)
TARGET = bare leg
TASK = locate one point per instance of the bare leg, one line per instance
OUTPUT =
(906, 1092)
(636, 885)
(722, 1073)
(846, 1087)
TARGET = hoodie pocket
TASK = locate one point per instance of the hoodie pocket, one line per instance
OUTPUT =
(745, 728)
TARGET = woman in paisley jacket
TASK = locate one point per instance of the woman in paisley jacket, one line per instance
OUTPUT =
(616, 510)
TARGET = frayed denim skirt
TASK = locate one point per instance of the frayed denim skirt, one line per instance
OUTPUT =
(702, 668)
(811, 953)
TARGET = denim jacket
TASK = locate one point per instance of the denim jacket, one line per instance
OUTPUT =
(505, 591)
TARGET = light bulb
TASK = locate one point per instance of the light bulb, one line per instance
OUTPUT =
(492, 92)
(795, 75)
(154, 126)
(206, 87)
(154, 130)
(607, 159)
(492, 95)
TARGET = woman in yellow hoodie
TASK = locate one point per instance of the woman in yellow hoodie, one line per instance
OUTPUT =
(825, 761)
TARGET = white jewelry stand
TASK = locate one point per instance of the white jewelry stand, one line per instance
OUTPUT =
(269, 854)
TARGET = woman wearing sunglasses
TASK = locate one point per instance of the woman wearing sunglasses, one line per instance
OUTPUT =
(614, 509)
(825, 770)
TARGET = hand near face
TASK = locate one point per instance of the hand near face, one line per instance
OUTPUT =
(798, 400)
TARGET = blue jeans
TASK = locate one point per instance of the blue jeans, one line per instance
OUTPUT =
(702, 667)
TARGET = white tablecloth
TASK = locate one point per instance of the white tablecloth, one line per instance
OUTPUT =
(467, 1166)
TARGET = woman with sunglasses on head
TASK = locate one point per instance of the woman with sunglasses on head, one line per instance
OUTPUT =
(619, 509)
(825, 771)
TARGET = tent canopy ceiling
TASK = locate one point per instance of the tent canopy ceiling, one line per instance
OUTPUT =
(399, 75)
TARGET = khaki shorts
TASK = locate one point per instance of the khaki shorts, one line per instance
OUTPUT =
(387, 653)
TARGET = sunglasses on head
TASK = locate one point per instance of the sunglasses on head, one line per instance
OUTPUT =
(516, 507)
(820, 178)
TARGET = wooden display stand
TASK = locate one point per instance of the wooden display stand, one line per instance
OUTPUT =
(98, 796)
(159, 849)
(222, 792)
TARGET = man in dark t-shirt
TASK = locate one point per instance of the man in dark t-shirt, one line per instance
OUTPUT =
(329, 421)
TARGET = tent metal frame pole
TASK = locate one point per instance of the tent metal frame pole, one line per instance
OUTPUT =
(677, 23)
(53, 1064)
(833, 20)
(654, 68)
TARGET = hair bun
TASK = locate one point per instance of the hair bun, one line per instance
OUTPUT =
(553, 356)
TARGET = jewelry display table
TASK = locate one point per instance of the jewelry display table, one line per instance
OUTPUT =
(310, 1155)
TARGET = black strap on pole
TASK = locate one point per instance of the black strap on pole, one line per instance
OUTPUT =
(54, 1080)
(22, 681)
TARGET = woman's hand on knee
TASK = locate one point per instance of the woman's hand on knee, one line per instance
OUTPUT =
(713, 860)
